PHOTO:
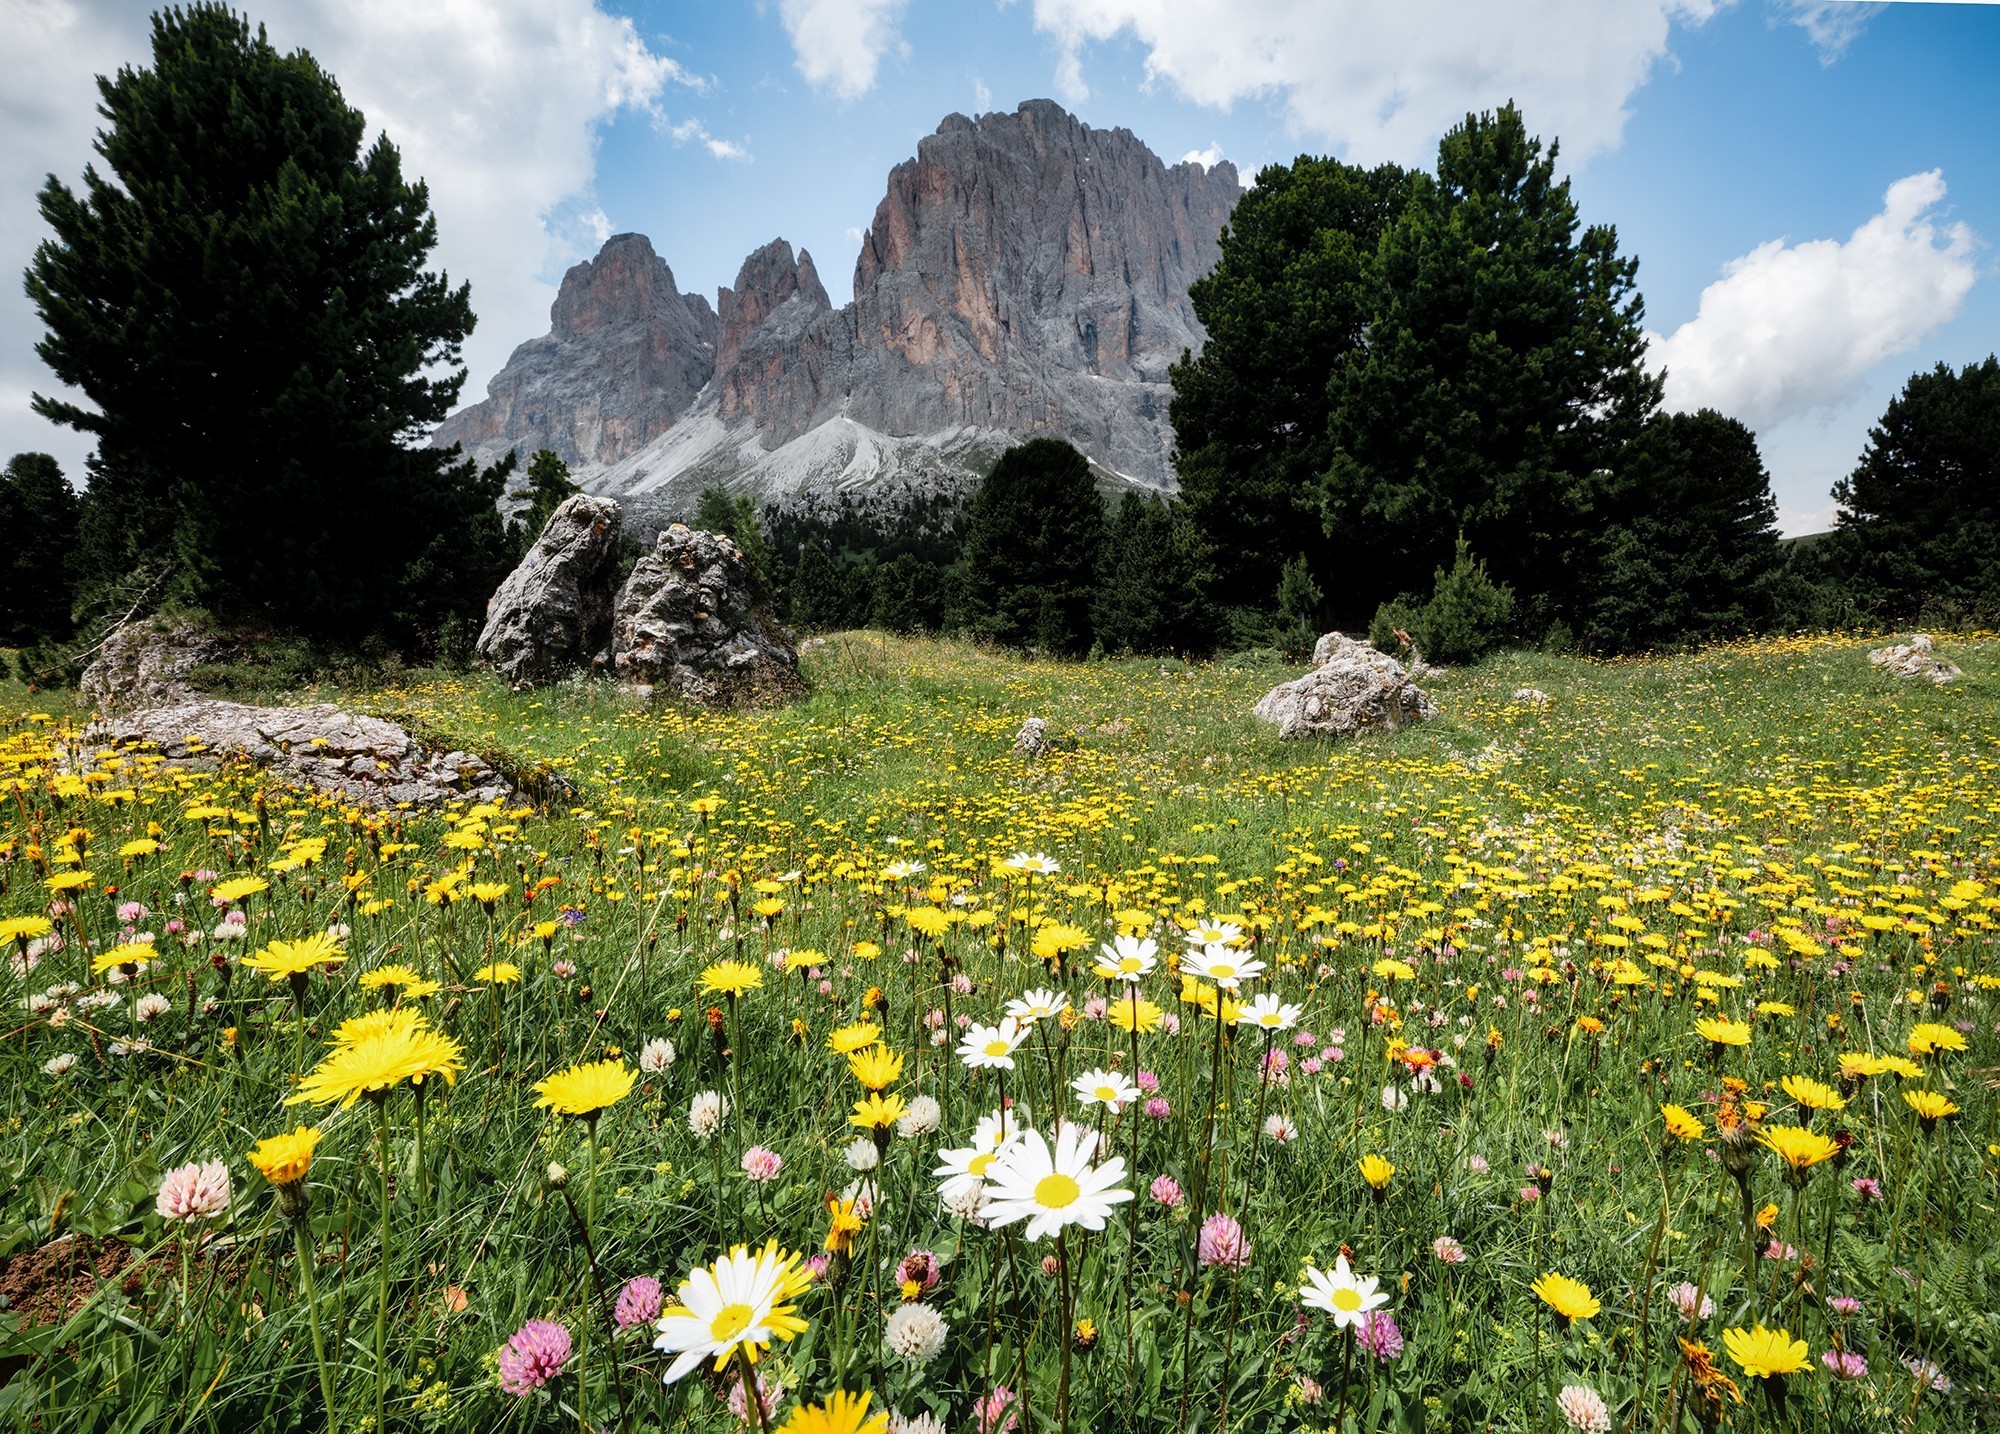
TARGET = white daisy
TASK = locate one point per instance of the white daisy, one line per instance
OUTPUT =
(1271, 1014)
(991, 1047)
(1340, 1294)
(1128, 958)
(1107, 1088)
(1214, 933)
(1220, 966)
(1053, 1189)
(738, 1302)
(1037, 1005)
(1036, 864)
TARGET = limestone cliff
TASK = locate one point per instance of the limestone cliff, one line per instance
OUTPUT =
(1024, 275)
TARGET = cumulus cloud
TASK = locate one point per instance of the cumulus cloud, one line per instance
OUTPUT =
(1383, 81)
(1789, 329)
(495, 103)
(1206, 158)
(839, 44)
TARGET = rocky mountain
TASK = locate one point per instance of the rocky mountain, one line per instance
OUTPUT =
(1025, 275)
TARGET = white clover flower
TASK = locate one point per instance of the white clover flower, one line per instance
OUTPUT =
(706, 1113)
(656, 1056)
(58, 1065)
(861, 1155)
(916, 1332)
(923, 1116)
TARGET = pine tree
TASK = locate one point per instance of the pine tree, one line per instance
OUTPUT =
(242, 298)
(1919, 527)
(38, 513)
(549, 484)
(1290, 296)
(1032, 546)
(909, 595)
(1501, 376)
(818, 598)
(1149, 597)
(1690, 547)
(1299, 600)
(736, 519)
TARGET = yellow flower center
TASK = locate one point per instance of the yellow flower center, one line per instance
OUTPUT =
(977, 1165)
(729, 1322)
(1107, 1093)
(996, 1048)
(1222, 971)
(1054, 1192)
(1348, 1300)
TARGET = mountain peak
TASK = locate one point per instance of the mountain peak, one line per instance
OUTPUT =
(1024, 275)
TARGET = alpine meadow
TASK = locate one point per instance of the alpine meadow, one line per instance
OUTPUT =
(1225, 801)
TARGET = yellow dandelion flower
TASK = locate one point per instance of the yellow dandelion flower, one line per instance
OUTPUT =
(1812, 1094)
(1681, 1125)
(876, 1068)
(295, 958)
(731, 978)
(586, 1090)
(1766, 1353)
(858, 1037)
(1569, 1298)
(1376, 1171)
(877, 1112)
(285, 1159)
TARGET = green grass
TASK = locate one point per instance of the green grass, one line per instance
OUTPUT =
(1719, 800)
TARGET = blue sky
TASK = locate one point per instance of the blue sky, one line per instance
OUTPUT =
(1759, 134)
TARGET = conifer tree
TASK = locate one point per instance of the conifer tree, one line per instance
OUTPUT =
(1290, 296)
(1919, 527)
(38, 514)
(1033, 541)
(818, 600)
(1690, 543)
(1501, 378)
(1149, 597)
(241, 296)
(549, 484)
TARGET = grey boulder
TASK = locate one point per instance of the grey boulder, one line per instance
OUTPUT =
(553, 612)
(148, 664)
(366, 760)
(689, 621)
(1355, 690)
(1916, 659)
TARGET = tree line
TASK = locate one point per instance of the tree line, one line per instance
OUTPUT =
(1422, 408)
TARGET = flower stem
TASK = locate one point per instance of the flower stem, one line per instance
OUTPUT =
(311, 1288)
(382, 1301)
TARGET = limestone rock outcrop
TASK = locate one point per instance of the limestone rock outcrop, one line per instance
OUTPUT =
(552, 614)
(1024, 275)
(1354, 690)
(148, 663)
(366, 760)
(1916, 659)
(688, 623)
(625, 356)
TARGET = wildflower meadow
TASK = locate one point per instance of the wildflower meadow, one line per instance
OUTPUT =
(1615, 1052)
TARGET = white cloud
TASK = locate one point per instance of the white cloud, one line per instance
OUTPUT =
(1789, 329)
(694, 129)
(839, 44)
(494, 103)
(1206, 158)
(982, 98)
(1832, 24)
(1382, 81)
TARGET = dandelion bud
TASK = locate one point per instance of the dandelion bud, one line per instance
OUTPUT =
(556, 1175)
